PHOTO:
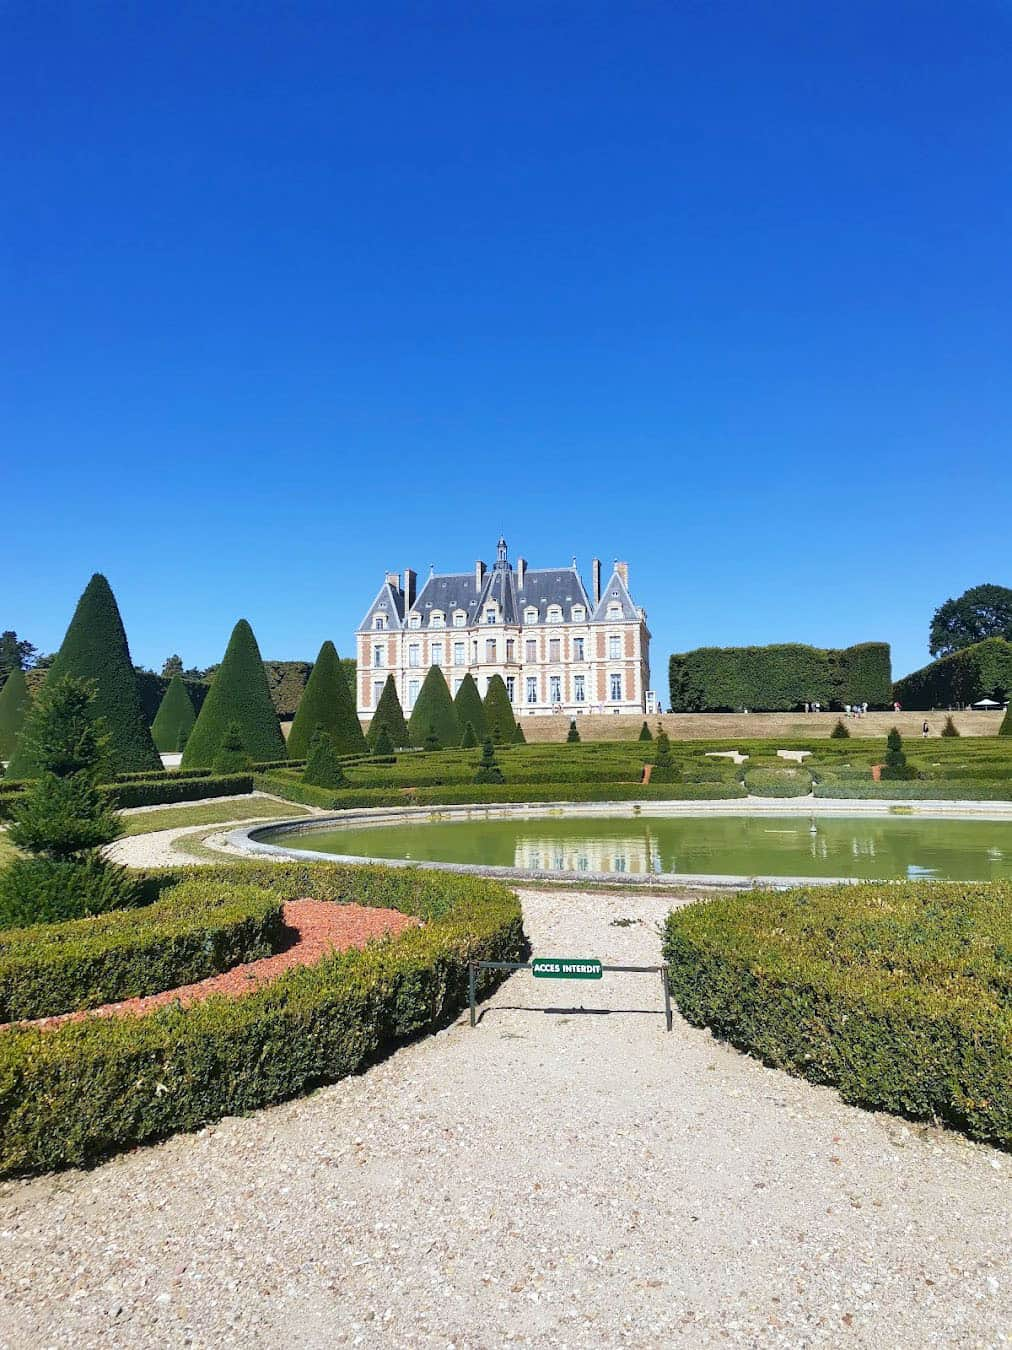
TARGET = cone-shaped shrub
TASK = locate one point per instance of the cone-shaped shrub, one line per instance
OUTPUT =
(572, 735)
(327, 702)
(468, 707)
(488, 770)
(432, 741)
(232, 756)
(895, 760)
(645, 733)
(434, 711)
(383, 746)
(839, 732)
(389, 714)
(499, 717)
(95, 648)
(1006, 724)
(323, 767)
(950, 728)
(238, 693)
(664, 767)
(15, 701)
(63, 818)
(470, 737)
(518, 735)
(182, 738)
(175, 715)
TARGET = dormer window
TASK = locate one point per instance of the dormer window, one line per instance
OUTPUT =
(437, 619)
(579, 614)
(379, 621)
(490, 615)
(554, 613)
(415, 621)
(459, 618)
(614, 611)
(530, 614)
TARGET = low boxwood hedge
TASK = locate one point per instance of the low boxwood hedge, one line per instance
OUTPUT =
(899, 995)
(197, 929)
(156, 791)
(84, 1089)
(935, 790)
(790, 780)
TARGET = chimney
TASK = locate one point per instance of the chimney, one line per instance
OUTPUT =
(479, 574)
(521, 572)
(595, 580)
(623, 571)
(409, 587)
(393, 580)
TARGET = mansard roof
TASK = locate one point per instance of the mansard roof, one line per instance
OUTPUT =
(616, 592)
(546, 586)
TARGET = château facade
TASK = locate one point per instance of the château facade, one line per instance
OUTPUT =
(557, 647)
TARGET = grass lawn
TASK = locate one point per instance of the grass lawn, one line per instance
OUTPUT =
(210, 813)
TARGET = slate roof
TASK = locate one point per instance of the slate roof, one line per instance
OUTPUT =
(390, 602)
(616, 592)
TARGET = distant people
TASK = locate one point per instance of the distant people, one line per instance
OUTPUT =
(846, 709)
(896, 707)
(808, 707)
(925, 728)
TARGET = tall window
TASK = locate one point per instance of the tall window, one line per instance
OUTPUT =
(532, 650)
(616, 688)
(377, 655)
(614, 647)
(577, 649)
(412, 692)
(511, 687)
(458, 653)
(490, 616)
(579, 689)
(379, 621)
(532, 689)
(456, 687)
(490, 649)
(437, 653)
(414, 654)
(555, 649)
(510, 649)
(377, 690)
(555, 688)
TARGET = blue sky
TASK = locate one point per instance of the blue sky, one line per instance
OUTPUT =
(294, 294)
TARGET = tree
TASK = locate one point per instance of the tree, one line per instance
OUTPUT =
(433, 712)
(15, 702)
(95, 648)
(499, 718)
(238, 693)
(432, 741)
(469, 738)
(231, 755)
(950, 728)
(323, 766)
(518, 735)
(488, 770)
(15, 654)
(839, 732)
(979, 613)
(327, 702)
(175, 715)
(895, 765)
(573, 734)
(468, 706)
(1006, 723)
(172, 665)
(664, 766)
(389, 714)
(383, 746)
(645, 733)
(64, 818)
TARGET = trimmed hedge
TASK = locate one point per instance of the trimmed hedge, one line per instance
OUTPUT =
(433, 712)
(771, 781)
(983, 670)
(15, 701)
(197, 929)
(176, 715)
(898, 995)
(238, 693)
(779, 678)
(83, 1090)
(934, 790)
(330, 703)
(155, 791)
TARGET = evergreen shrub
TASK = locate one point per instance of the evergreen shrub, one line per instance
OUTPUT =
(488, 770)
(238, 693)
(389, 714)
(433, 713)
(950, 729)
(328, 701)
(840, 732)
(470, 737)
(573, 734)
(645, 733)
(231, 756)
(382, 745)
(469, 708)
(175, 718)
(499, 719)
(323, 767)
(15, 701)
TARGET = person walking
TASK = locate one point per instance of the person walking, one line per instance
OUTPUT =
(925, 728)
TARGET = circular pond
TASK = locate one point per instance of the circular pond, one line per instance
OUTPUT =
(869, 847)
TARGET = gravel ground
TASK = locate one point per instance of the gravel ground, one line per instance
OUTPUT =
(560, 1180)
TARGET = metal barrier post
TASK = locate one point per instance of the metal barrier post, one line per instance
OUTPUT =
(470, 988)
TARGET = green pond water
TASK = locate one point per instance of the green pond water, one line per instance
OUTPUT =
(824, 846)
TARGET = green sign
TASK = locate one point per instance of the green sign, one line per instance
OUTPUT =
(566, 968)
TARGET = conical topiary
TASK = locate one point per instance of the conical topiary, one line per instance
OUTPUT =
(323, 767)
(469, 738)
(895, 760)
(488, 770)
(1006, 723)
(432, 741)
(840, 731)
(327, 702)
(950, 728)
(499, 717)
(15, 700)
(389, 714)
(468, 707)
(238, 693)
(95, 648)
(573, 734)
(383, 745)
(518, 735)
(645, 733)
(664, 767)
(434, 712)
(232, 756)
(175, 715)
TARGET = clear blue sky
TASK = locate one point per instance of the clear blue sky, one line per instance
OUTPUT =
(292, 294)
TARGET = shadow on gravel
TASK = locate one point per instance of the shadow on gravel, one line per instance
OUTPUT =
(569, 1012)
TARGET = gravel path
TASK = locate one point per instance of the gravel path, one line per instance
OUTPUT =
(559, 1180)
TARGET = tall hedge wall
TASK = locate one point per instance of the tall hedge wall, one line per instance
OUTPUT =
(779, 678)
(981, 671)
